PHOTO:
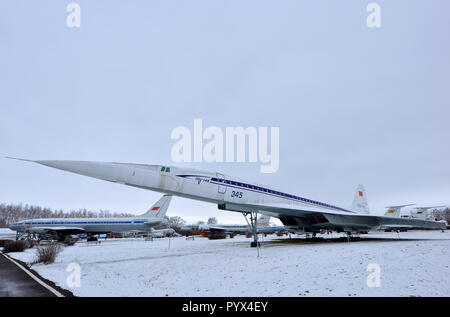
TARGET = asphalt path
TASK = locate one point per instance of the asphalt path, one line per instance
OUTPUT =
(14, 282)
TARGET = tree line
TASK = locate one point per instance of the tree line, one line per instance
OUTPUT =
(442, 214)
(10, 213)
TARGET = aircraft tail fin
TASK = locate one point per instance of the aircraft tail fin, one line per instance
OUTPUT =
(263, 221)
(159, 209)
(360, 201)
(394, 211)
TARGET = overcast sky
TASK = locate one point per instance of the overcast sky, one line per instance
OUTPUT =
(353, 104)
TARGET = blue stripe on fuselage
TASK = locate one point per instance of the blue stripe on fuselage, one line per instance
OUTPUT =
(80, 222)
(266, 191)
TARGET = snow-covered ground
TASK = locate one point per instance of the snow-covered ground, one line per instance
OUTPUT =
(6, 233)
(417, 264)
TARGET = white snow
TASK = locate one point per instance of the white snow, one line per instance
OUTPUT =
(6, 233)
(417, 264)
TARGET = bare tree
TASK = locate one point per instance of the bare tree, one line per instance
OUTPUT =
(212, 221)
(175, 221)
(10, 214)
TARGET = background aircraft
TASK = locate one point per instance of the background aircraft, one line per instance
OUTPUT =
(161, 233)
(394, 211)
(422, 213)
(62, 227)
(263, 226)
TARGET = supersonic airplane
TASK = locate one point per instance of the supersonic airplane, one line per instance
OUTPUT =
(62, 227)
(248, 198)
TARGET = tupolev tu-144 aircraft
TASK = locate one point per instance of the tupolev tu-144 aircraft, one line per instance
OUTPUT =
(248, 198)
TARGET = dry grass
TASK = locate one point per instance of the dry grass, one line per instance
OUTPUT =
(2, 242)
(15, 246)
(47, 253)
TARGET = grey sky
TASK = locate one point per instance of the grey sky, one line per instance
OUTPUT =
(354, 104)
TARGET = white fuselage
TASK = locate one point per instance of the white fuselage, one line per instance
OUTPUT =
(89, 225)
(190, 183)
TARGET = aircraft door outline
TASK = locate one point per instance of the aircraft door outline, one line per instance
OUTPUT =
(221, 189)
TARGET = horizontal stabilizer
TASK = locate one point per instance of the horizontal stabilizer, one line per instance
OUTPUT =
(59, 229)
(426, 208)
(263, 221)
(394, 211)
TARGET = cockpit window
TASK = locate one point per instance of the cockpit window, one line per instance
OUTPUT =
(168, 169)
(163, 169)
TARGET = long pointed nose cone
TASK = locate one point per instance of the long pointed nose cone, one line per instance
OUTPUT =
(101, 170)
(112, 172)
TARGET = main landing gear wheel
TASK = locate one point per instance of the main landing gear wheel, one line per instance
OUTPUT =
(92, 238)
(350, 237)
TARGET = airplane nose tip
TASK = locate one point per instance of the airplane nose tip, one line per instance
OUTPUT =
(100, 170)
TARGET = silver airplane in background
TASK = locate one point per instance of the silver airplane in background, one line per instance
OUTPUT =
(422, 212)
(63, 227)
(262, 227)
(233, 194)
(394, 211)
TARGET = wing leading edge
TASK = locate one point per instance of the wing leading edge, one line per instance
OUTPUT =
(59, 229)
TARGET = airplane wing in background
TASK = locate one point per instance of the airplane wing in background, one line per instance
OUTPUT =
(58, 229)
(228, 229)
(263, 224)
